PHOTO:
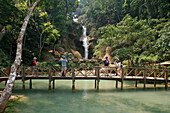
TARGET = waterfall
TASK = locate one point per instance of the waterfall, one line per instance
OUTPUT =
(85, 43)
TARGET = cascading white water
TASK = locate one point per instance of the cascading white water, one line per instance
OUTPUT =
(85, 43)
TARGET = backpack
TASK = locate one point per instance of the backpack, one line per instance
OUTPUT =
(106, 63)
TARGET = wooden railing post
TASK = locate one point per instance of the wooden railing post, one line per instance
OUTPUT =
(144, 81)
(122, 78)
(49, 79)
(73, 79)
(166, 80)
(23, 78)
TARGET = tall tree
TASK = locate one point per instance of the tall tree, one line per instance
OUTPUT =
(8, 88)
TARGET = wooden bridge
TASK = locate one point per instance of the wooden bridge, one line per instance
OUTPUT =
(97, 73)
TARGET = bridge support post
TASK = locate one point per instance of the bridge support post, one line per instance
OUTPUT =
(23, 78)
(53, 83)
(53, 78)
(6, 82)
(122, 78)
(144, 81)
(136, 84)
(30, 83)
(116, 84)
(49, 89)
(95, 84)
(116, 80)
(98, 77)
(166, 80)
(73, 80)
(155, 72)
(136, 72)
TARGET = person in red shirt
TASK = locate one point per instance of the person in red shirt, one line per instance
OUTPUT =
(33, 65)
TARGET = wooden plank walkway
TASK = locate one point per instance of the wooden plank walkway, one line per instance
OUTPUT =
(97, 74)
(133, 78)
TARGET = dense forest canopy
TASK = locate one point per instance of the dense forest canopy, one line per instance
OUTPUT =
(136, 30)
(48, 26)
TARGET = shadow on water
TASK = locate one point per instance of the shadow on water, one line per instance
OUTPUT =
(69, 90)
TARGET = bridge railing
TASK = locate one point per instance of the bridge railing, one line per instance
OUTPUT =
(78, 71)
(91, 71)
(4, 71)
(108, 71)
(39, 70)
(134, 71)
(149, 73)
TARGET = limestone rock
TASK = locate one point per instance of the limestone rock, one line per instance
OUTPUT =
(60, 50)
(57, 53)
(108, 50)
(76, 54)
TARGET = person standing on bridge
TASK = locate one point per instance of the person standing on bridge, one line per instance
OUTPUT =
(64, 66)
(34, 63)
(106, 64)
(119, 66)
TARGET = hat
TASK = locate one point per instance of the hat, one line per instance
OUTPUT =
(35, 58)
(64, 57)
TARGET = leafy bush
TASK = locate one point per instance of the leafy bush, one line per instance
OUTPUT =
(47, 64)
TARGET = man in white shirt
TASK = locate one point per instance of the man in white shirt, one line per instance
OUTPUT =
(64, 66)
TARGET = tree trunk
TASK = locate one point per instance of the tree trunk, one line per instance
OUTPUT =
(40, 47)
(8, 88)
(2, 33)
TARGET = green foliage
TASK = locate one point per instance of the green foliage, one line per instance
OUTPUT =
(98, 13)
(4, 60)
(143, 58)
(69, 56)
(123, 53)
(50, 20)
(8, 12)
(13, 102)
(162, 45)
(131, 38)
(47, 64)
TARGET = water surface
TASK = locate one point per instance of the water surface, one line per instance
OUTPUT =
(87, 100)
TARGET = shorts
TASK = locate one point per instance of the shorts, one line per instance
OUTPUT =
(63, 68)
(33, 68)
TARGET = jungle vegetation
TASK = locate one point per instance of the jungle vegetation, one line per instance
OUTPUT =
(50, 23)
(136, 30)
